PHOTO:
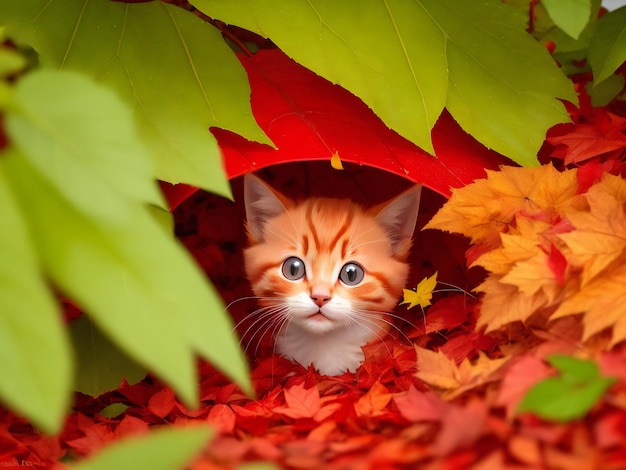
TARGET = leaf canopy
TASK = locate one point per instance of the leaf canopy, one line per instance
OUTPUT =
(496, 80)
(135, 48)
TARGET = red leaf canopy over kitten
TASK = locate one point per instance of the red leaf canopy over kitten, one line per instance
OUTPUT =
(326, 271)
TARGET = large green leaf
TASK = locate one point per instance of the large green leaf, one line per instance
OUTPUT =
(35, 360)
(607, 50)
(93, 263)
(100, 365)
(139, 286)
(570, 395)
(163, 449)
(571, 16)
(407, 60)
(84, 141)
(173, 67)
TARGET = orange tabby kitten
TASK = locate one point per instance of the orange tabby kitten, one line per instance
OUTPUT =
(326, 271)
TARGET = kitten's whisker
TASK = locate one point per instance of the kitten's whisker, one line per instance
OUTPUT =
(266, 318)
(280, 323)
(250, 297)
(265, 328)
(261, 312)
(454, 289)
(355, 320)
(373, 313)
(369, 315)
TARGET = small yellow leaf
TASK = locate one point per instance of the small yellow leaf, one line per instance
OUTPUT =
(422, 294)
(335, 161)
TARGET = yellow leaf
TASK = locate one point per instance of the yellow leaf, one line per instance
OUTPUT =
(491, 204)
(335, 161)
(422, 295)
(504, 304)
(437, 370)
(599, 238)
(603, 303)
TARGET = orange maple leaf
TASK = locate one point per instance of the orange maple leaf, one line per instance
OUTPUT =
(548, 250)
(491, 204)
(599, 238)
(438, 371)
(603, 303)
(374, 401)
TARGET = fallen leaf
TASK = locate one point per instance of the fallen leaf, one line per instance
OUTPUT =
(300, 402)
(422, 295)
(162, 403)
(419, 406)
(373, 402)
(490, 205)
(440, 372)
(335, 161)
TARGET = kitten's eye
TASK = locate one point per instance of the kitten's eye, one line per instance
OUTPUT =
(293, 268)
(351, 274)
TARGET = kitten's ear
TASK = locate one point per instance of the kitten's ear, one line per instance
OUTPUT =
(398, 218)
(262, 204)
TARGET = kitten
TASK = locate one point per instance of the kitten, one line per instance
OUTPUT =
(326, 271)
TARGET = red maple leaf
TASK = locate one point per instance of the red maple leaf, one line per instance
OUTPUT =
(604, 134)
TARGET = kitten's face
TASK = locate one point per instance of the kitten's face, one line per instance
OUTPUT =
(327, 264)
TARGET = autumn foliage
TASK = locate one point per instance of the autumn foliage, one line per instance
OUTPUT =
(510, 353)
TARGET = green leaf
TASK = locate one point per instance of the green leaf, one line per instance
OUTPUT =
(104, 248)
(165, 449)
(101, 366)
(113, 410)
(605, 91)
(607, 50)
(174, 68)
(91, 137)
(574, 370)
(10, 61)
(34, 349)
(571, 16)
(503, 84)
(569, 396)
(407, 60)
(92, 262)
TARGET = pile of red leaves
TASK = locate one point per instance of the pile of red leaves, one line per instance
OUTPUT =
(439, 393)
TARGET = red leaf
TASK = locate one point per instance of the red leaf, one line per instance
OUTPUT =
(176, 193)
(461, 427)
(557, 264)
(603, 134)
(162, 403)
(309, 118)
(131, 425)
(520, 377)
(301, 402)
(448, 313)
(223, 418)
(419, 406)
(373, 402)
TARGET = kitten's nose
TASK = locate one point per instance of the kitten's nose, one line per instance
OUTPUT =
(320, 298)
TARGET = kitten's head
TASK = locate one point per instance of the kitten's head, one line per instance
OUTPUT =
(327, 263)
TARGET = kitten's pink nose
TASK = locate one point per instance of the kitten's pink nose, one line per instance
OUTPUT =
(320, 298)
